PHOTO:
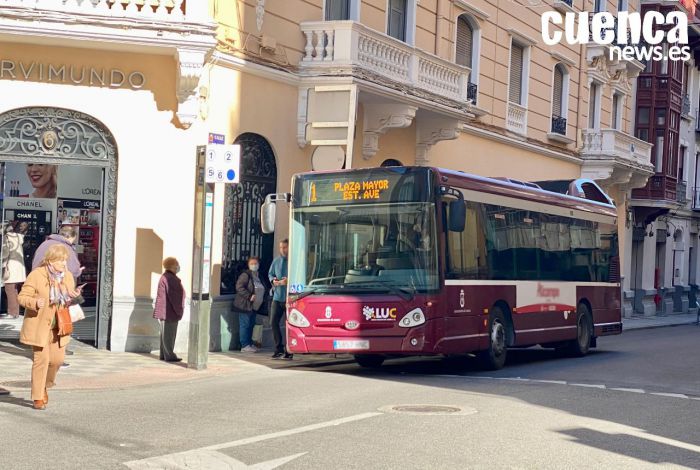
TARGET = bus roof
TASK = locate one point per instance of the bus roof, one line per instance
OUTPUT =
(528, 191)
(511, 188)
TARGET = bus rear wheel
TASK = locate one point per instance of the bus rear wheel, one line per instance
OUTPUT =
(370, 361)
(494, 357)
(584, 332)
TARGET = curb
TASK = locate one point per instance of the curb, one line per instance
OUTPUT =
(651, 327)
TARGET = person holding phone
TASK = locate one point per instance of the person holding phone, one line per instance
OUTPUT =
(278, 278)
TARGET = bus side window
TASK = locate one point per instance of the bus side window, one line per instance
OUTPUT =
(466, 250)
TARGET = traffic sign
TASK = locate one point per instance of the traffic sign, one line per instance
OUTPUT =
(223, 164)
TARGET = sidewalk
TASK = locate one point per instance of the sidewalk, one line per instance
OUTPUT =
(639, 322)
(92, 368)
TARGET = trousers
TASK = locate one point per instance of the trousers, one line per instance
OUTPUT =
(12, 302)
(246, 323)
(168, 333)
(278, 318)
(45, 364)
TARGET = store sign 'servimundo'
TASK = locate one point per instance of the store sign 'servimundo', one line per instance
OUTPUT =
(70, 74)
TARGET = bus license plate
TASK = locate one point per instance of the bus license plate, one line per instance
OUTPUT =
(354, 344)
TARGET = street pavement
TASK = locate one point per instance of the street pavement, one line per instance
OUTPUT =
(632, 403)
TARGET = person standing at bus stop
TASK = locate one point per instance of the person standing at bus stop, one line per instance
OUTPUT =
(278, 278)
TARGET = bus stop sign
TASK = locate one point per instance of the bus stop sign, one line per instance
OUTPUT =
(223, 164)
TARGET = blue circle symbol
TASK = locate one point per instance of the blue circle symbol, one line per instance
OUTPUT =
(231, 175)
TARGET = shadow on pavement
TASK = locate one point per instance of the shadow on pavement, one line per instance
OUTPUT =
(12, 400)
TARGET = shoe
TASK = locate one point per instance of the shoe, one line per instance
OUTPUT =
(277, 355)
(69, 353)
(39, 405)
(65, 364)
(46, 397)
(249, 349)
(288, 356)
(174, 359)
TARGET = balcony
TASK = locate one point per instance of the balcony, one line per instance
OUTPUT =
(611, 157)
(516, 120)
(685, 109)
(342, 48)
(681, 192)
(472, 92)
(696, 199)
(137, 22)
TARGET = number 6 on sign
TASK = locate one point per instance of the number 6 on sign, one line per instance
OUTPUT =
(224, 164)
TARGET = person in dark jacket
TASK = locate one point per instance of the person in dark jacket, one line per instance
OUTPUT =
(250, 295)
(170, 305)
(67, 235)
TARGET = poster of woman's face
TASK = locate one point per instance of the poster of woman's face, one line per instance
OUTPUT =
(31, 180)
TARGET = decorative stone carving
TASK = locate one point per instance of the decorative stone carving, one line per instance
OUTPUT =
(259, 14)
(379, 118)
(190, 64)
(432, 130)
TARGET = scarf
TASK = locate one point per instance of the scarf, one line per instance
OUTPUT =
(58, 293)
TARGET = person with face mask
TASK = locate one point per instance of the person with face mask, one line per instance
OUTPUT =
(250, 295)
(170, 305)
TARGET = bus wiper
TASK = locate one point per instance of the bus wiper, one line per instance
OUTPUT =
(404, 292)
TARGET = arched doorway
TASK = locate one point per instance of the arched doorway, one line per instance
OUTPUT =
(242, 234)
(63, 137)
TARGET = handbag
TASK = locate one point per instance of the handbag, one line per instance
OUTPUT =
(64, 322)
(76, 313)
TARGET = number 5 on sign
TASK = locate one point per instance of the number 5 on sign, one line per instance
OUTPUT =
(223, 165)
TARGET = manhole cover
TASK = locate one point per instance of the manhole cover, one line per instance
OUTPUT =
(17, 384)
(428, 409)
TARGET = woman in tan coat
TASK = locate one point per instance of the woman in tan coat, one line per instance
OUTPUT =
(47, 288)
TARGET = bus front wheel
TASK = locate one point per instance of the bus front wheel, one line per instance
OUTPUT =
(584, 332)
(495, 356)
(369, 360)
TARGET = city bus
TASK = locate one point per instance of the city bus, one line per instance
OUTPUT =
(405, 261)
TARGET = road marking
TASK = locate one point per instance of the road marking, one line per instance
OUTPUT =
(672, 395)
(557, 382)
(203, 458)
(180, 460)
(631, 390)
(589, 385)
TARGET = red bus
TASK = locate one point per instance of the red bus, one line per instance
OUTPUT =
(400, 261)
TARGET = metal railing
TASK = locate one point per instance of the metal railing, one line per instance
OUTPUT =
(472, 92)
(681, 191)
(559, 125)
(685, 109)
(696, 199)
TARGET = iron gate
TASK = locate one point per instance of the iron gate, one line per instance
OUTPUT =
(242, 234)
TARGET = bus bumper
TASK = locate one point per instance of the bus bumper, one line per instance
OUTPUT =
(412, 343)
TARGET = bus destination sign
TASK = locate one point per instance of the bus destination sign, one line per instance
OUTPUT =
(373, 186)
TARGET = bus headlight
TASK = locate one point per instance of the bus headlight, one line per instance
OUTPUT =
(296, 318)
(413, 318)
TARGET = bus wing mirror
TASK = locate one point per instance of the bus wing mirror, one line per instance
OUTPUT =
(458, 216)
(268, 211)
(268, 215)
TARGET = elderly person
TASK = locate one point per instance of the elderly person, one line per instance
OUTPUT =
(170, 305)
(67, 236)
(250, 295)
(48, 289)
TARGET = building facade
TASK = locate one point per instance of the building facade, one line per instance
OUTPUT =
(664, 270)
(307, 85)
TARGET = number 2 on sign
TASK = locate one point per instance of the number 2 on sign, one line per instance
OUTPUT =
(228, 156)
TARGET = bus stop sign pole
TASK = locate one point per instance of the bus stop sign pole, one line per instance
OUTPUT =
(198, 345)
(215, 164)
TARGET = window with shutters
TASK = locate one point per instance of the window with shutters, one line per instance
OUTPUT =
(397, 19)
(517, 63)
(617, 112)
(337, 10)
(465, 42)
(557, 94)
(594, 106)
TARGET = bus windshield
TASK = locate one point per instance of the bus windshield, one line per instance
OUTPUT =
(363, 246)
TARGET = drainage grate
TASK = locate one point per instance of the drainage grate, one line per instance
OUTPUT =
(428, 409)
(17, 384)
